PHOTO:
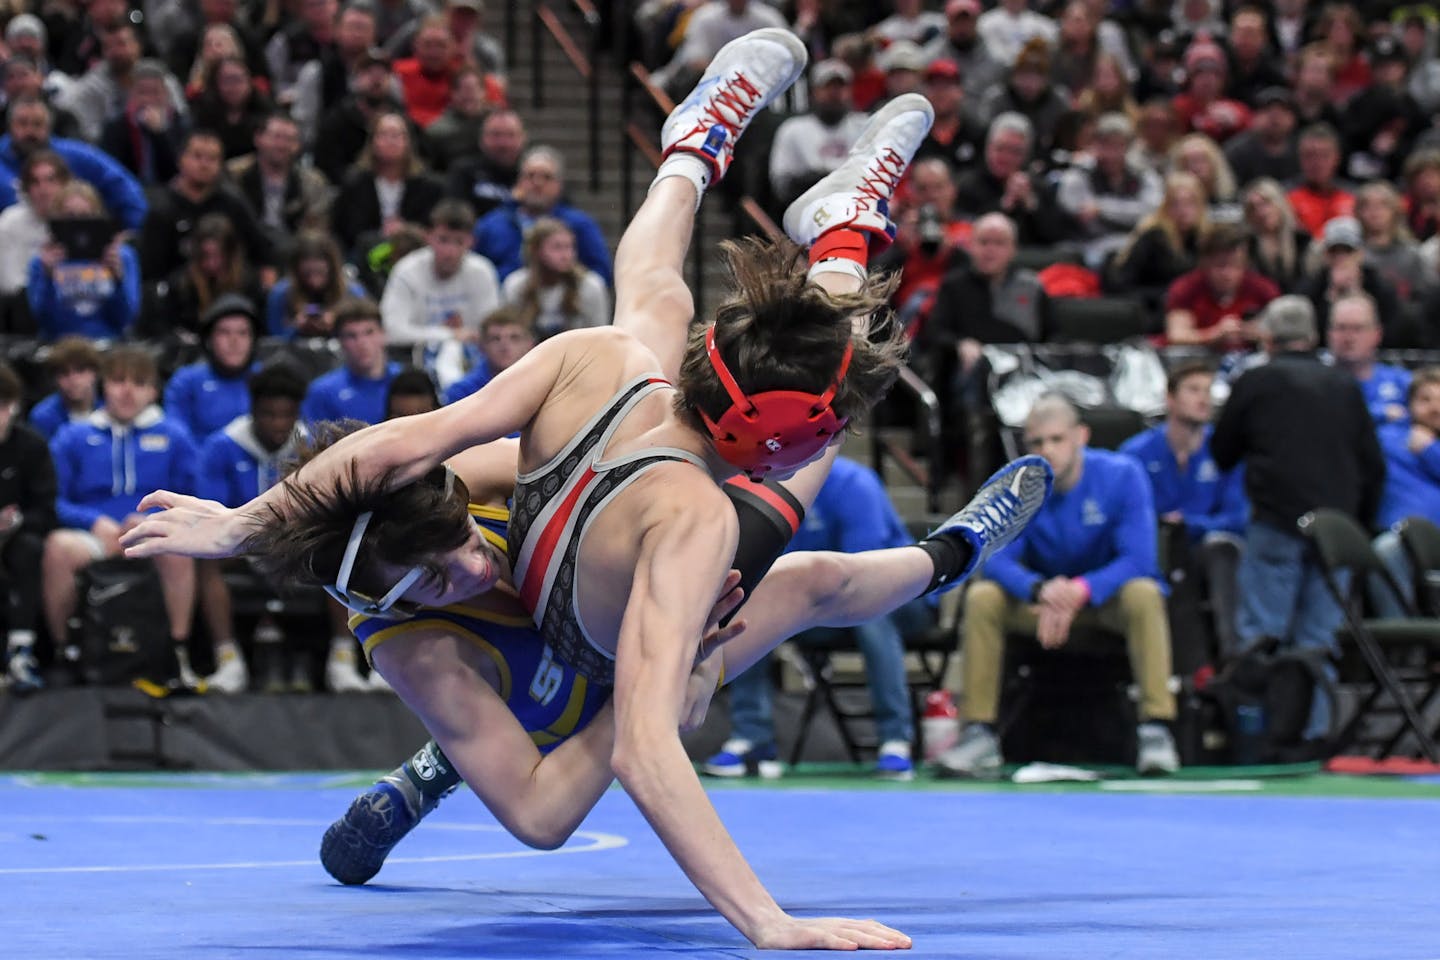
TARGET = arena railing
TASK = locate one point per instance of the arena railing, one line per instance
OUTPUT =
(585, 64)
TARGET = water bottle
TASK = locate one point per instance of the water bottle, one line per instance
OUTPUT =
(940, 723)
(1249, 733)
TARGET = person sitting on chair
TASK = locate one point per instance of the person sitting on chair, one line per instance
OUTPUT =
(1191, 492)
(851, 514)
(1088, 557)
(1412, 483)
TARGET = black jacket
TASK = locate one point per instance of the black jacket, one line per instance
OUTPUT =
(165, 232)
(27, 479)
(357, 208)
(1382, 291)
(979, 192)
(121, 138)
(1307, 440)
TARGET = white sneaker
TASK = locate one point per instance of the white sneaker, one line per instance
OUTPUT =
(342, 675)
(231, 674)
(378, 683)
(745, 76)
(1156, 753)
(857, 194)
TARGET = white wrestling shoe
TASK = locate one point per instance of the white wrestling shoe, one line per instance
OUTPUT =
(857, 194)
(745, 76)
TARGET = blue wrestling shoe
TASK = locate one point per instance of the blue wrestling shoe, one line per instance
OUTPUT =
(355, 847)
(22, 672)
(741, 758)
(994, 517)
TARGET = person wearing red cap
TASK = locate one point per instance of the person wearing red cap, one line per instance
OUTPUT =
(1203, 107)
(956, 136)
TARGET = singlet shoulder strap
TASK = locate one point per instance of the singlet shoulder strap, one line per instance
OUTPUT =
(605, 419)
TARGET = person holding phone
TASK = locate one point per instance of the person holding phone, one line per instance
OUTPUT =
(303, 303)
(86, 279)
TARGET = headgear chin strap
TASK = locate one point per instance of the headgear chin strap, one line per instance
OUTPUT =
(358, 602)
(774, 430)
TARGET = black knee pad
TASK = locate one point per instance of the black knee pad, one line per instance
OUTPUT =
(769, 516)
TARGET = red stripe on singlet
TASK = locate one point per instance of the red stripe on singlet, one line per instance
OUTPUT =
(776, 502)
(549, 539)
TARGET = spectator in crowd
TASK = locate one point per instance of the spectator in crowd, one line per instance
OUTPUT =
(553, 291)
(145, 136)
(1191, 492)
(442, 291)
(1252, 66)
(1027, 90)
(903, 63)
(857, 51)
(1343, 271)
(1354, 340)
(1078, 47)
(23, 78)
(166, 240)
(1319, 196)
(1389, 246)
(217, 265)
(713, 24)
(1314, 88)
(69, 289)
(303, 302)
(393, 17)
(356, 390)
(1010, 25)
(191, 46)
(809, 145)
(961, 44)
(851, 513)
(426, 77)
(486, 181)
(103, 92)
(29, 41)
(910, 23)
(1203, 106)
(1380, 122)
(1277, 245)
(1089, 557)
(74, 364)
(23, 227)
(1161, 75)
(387, 187)
(1214, 304)
(304, 39)
(231, 106)
(473, 44)
(1415, 36)
(285, 195)
(411, 392)
(1341, 31)
(505, 337)
(1198, 154)
(455, 134)
(1155, 134)
(928, 235)
(1164, 245)
(344, 130)
(1107, 197)
(499, 235)
(1306, 440)
(955, 136)
(29, 131)
(1107, 90)
(1290, 27)
(1000, 184)
(324, 83)
(1422, 193)
(1194, 19)
(27, 515)
(237, 463)
(78, 44)
(220, 40)
(104, 465)
(1412, 485)
(206, 395)
(1267, 148)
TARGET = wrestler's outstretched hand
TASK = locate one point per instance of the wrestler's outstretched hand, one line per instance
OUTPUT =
(185, 526)
(829, 933)
(705, 677)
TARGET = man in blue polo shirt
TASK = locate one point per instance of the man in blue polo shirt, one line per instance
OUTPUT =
(207, 395)
(1412, 484)
(1089, 555)
(1191, 491)
(1354, 338)
(357, 390)
(851, 514)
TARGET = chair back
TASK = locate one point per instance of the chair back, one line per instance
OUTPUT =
(1421, 540)
(1098, 319)
(1339, 542)
(1112, 425)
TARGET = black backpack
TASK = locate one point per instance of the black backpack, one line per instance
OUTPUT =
(123, 632)
(1265, 696)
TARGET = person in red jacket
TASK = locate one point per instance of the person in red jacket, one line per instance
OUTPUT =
(1319, 198)
(1203, 107)
(426, 77)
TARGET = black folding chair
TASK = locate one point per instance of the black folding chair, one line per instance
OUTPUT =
(1098, 319)
(1342, 545)
(1421, 540)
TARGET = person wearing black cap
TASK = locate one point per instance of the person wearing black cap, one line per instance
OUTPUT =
(208, 394)
(809, 145)
(1380, 122)
(1267, 148)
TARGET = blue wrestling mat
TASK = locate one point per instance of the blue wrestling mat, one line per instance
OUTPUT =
(201, 866)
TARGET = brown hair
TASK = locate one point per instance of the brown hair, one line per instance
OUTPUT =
(779, 331)
(1184, 371)
(409, 525)
(508, 315)
(414, 166)
(41, 158)
(10, 388)
(452, 214)
(73, 353)
(355, 310)
(1424, 377)
(1220, 238)
(315, 245)
(218, 228)
(529, 299)
(129, 363)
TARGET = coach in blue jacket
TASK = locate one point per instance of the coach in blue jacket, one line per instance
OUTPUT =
(104, 466)
(1089, 554)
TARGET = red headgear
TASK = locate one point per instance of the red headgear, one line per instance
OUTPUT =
(774, 430)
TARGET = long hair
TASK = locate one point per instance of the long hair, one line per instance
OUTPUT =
(413, 165)
(1269, 189)
(538, 277)
(315, 245)
(409, 525)
(1384, 192)
(1161, 219)
(216, 227)
(1221, 187)
(779, 331)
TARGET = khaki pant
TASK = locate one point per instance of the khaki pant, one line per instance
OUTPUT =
(1137, 612)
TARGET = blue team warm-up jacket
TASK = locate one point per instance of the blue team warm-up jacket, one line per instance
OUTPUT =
(104, 469)
(235, 468)
(204, 401)
(1211, 501)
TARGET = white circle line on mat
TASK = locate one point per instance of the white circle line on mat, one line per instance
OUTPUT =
(1182, 786)
(596, 842)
